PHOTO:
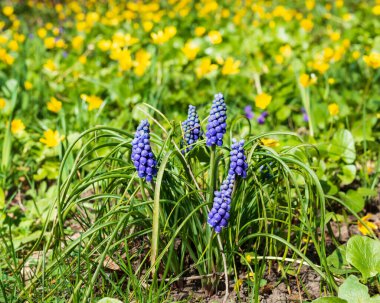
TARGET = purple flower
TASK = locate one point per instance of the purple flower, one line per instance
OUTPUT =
(248, 112)
(191, 129)
(261, 118)
(220, 212)
(217, 125)
(305, 116)
(238, 164)
(142, 155)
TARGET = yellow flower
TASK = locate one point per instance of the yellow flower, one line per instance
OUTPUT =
(8, 59)
(28, 85)
(159, 37)
(104, 45)
(125, 60)
(142, 62)
(286, 50)
(8, 11)
(356, 55)
(51, 138)
(170, 31)
(307, 25)
(321, 66)
(147, 26)
(2, 103)
(17, 126)
(13, 45)
(279, 59)
(238, 284)
(376, 10)
(331, 81)
(269, 142)
(263, 100)
(334, 36)
(199, 31)
(339, 3)
(310, 4)
(60, 43)
(50, 65)
(215, 37)
(205, 67)
(333, 109)
(49, 42)
(248, 258)
(94, 102)
(328, 53)
(82, 59)
(307, 80)
(190, 50)
(54, 105)
(77, 42)
(230, 66)
(363, 229)
(373, 60)
(41, 32)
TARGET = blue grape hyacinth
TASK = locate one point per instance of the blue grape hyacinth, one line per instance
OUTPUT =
(217, 125)
(238, 164)
(191, 129)
(142, 155)
(220, 212)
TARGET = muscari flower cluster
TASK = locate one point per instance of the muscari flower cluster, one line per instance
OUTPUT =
(142, 155)
(191, 128)
(216, 126)
(220, 212)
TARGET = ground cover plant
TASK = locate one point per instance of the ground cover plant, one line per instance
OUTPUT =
(179, 151)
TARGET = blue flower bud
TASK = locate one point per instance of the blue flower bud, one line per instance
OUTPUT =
(238, 164)
(191, 129)
(216, 126)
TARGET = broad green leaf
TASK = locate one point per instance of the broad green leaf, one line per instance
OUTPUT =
(109, 300)
(338, 258)
(353, 200)
(343, 146)
(330, 300)
(348, 174)
(367, 192)
(353, 291)
(364, 253)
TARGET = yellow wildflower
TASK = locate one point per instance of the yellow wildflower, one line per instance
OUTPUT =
(333, 109)
(13, 45)
(125, 60)
(310, 4)
(331, 81)
(60, 43)
(8, 11)
(334, 36)
(28, 85)
(104, 45)
(263, 100)
(215, 37)
(82, 59)
(94, 102)
(205, 67)
(363, 229)
(355, 55)
(8, 59)
(147, 26)
(2, 103)
(77, 42)
(41, 32)
(286, 50)
(376, 10)
(321, 66)
(270, 142)
(231, 67)
(54, 105)
(279, 59)
(170, 31)
(50, 65)
(373, 60)
(339, 3)
(199, 31)
(307, 25)
(159, 37)
(307, 80)
(49, 42)
(51, 138)
(190, 50)
(238, 284)
(17, 126)
(142, 61)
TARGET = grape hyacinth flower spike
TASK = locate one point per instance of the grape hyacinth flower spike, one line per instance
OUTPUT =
(191, 129)
(220, 212)
(216, 126)
(142, 155)
(238, 164)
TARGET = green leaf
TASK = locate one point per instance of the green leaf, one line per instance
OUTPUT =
(343, 146)
(353, 200)
(109, 300)
(348, 174)
(330, 300)
(338, 258)
(363, 253)
(353, 291)
(2, 198)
